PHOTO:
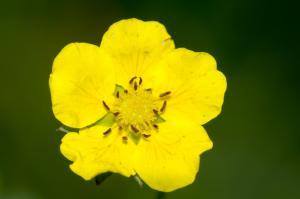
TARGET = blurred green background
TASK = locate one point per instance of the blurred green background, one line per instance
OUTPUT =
(256, 138)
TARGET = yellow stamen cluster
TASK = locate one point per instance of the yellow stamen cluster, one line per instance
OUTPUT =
(136, 109)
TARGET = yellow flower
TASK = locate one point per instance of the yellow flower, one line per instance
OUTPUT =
(138, 103)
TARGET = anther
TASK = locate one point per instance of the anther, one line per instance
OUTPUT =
(155, 126)
(105, 105)
(141, 80)
(163, 108)
(135, 86)
(134, 129)
(126, 91)
(124, 138)
(165, 94)
(155, 111)
(118, 94)
(146, 135)
(148, 89)
(107, 131)
(116, 114)
(132, 79)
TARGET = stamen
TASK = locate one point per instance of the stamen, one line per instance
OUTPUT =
(155, 111)
(146, 135)
(165, 94)
(132, 79)
(134, 129)
(107, 131)
(163, 108)
(138, 110)
(155, 126)
(135, 86)
(124, 138)
(105, 105)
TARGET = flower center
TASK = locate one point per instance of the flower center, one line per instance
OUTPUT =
(136, 109)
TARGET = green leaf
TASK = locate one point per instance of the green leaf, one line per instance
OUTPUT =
(66, 129)
(138, 180)
(135, 137)
(159, 119)
(100, 178)
(119, 89)
(62, 129)
(107, 120)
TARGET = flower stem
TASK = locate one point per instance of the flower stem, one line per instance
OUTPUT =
(160, 195)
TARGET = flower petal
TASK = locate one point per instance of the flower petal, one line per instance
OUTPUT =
(93, 153)
(82, 76)
(136, 46)
(169, 159)
(197, 86)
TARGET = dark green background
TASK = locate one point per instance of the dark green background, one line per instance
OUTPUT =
(256, 138)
